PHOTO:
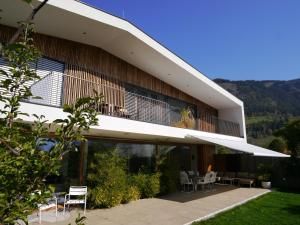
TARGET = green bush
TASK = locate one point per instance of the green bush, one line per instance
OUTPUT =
(131, 194)
(148, 184)
(278, 144)
(169, 179)
(106, 179)
(102, 197)
(108, 182)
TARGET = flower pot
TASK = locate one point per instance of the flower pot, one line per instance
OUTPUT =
(266, 184)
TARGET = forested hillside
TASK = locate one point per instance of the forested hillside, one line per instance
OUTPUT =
(268, 105)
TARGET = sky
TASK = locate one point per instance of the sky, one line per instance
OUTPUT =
(228, 39)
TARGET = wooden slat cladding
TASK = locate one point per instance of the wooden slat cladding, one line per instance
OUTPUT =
(205, 157)
(207, 122)
(90, 59)
(86, 81)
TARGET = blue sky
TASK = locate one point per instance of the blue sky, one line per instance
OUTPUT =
(232, 39)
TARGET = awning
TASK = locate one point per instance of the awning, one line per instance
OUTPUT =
(242, 146)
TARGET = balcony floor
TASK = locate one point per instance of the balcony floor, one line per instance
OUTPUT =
(176, 209)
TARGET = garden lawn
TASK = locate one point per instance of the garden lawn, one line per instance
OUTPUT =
(275, 208)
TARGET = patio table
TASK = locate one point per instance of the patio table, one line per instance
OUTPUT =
(195, 181)
(230, 179)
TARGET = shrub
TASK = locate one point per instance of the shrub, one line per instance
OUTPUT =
(106, 179)
(148, 184)
(103, 197)
(278, 145)
(132, 193)
(169, 179)
(264, 172)
(187, 119)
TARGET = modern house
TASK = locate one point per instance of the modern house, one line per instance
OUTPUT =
(147, 89)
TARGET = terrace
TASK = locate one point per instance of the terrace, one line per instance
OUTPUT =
(56, 89)
(175, 209)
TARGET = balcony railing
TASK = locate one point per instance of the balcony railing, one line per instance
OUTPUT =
(57, 89)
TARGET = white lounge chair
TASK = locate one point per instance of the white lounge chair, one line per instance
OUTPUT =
(76, 191)
(213, 178)
(206, 180)
(185, 181)
(51, 202)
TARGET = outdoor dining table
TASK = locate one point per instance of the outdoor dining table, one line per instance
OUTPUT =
(195, 180)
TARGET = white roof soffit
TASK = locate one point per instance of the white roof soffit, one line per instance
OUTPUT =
(73, 20)
(239, 146)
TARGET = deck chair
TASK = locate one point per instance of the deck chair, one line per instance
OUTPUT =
(78, 191)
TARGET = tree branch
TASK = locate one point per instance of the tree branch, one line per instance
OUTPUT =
(11, 149)
(29, 19)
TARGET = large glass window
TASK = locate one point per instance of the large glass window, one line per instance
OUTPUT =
(138, 156)
(69, 173)
(179, 155)
(141, 157)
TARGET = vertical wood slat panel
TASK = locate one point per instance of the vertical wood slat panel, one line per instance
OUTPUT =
(205, 157)
(80, 83)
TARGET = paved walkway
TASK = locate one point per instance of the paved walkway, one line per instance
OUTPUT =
(177, 209)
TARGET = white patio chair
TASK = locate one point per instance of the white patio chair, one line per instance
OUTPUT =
(184, 180)
(51, 202)
(76, 191)
(213, 178)
(206, 180)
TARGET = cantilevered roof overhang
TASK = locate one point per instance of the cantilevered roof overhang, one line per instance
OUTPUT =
(76, 21)
(241, 146)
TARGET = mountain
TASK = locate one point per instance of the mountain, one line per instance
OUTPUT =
(269, 97)
(268, 105)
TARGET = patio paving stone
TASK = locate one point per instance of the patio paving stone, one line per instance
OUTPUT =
(176, 209)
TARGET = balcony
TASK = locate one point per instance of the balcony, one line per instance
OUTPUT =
(56, 89)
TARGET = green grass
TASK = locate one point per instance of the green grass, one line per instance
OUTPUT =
(275, 208)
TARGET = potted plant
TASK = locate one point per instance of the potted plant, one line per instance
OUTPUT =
(264, 175)
(187, 119)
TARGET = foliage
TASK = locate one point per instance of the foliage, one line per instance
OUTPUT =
(14, 87)
(291, 133)
(187, 119)
(274, 208)
(277, 145)
(223, 150)
(148, 184)
(106, 179)
(169, 179)
(132, 193)
(24, 167)
(261, 98)
(290, 168)
(81, 115)
(259, 127)
(264, 172)
(268, 105)
(103, 197)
